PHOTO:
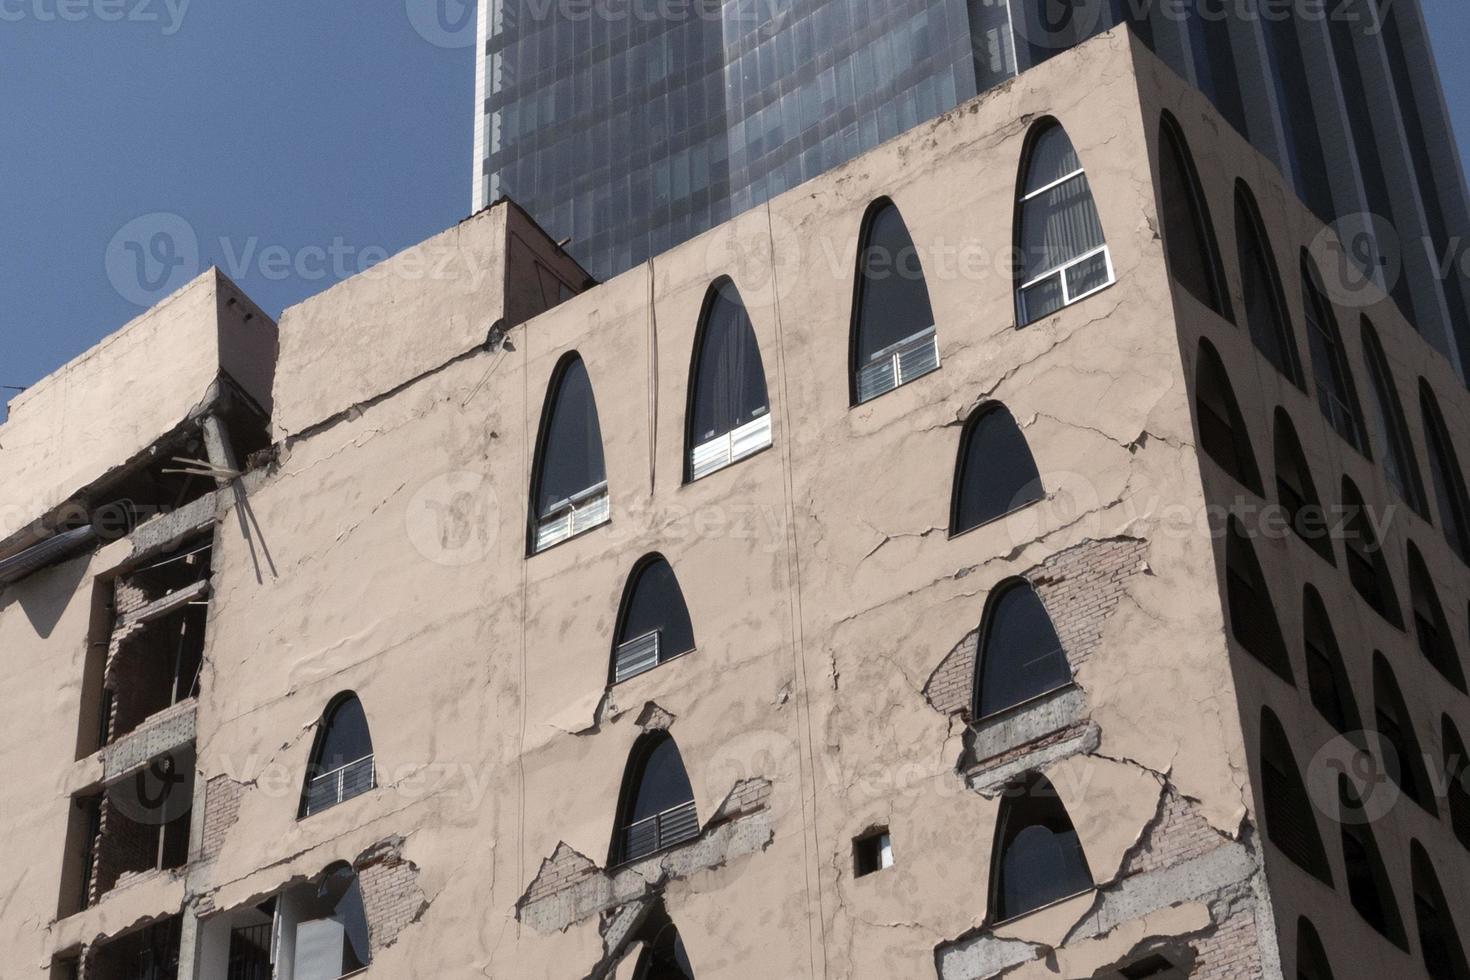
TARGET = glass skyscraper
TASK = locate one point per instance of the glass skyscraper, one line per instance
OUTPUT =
(628, 126)
(641, 124)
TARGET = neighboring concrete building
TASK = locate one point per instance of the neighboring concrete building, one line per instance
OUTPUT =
(824, 598)
(627, 127)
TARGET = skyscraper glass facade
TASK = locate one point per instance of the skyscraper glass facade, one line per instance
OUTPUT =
(628, 126)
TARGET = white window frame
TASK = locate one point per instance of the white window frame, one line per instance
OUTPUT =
(731, 447)
(577, 514)
(1061, 270)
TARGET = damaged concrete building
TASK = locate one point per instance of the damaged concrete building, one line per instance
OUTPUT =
(825, 597)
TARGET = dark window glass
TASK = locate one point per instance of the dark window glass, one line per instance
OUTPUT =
(1311, 958)
(1291, 823)
(892, 310)
(729, 385)
(1327, 679)
(1444, 956)
(1021, 656)
(995, 473)
(1366, 567)
(571, 441)
(1038, 858)
(1457, 779)
(657, 807)
(652, 607)
(1260, 283)
(341, 764)
(344, 735)
(663, 957)
(1449, 479)
(1222, 432)
(336, 898)
(1336, 394)
(1389, 427)
(1189, 235)
(1431, 627)
(1214, 60)
(1252, 614)
(1403, 759)
(1369, 887)
(1297, 492)
(1059, 236)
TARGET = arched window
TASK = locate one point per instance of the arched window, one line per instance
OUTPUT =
(1286, 808)
(1038, 858)
(1389, 427)
(893, 336)
(1327, 678)
(994, 473)
(1369, 887)
(656, 809)
(663, 956)
(1449, 479)
(1021, 657)
(1431, 627)
(1311, 958)
(1061, 251)
(1260, 284)
(1336, 394)
(1366, 567)
(1253, 618)
(323, 926)
(1222, 432)
(729, 413)
(341, 765)
(1444, 956)
(653, 623)
(1189, 235)
(1457, 779)
(1403, 760)
(569, 483)
(1297, 492)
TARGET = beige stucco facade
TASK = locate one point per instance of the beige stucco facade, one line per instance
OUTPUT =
(380, 548)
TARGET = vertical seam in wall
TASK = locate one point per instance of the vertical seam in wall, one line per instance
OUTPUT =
(798, 636)
(652, 384)
(526, 463)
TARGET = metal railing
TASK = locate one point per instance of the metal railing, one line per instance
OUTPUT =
(652, 834)
(343, 783)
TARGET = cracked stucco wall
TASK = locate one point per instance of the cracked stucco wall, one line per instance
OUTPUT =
(383, 552)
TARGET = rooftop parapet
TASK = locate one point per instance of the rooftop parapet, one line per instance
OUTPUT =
(83, 435)
(373, 333)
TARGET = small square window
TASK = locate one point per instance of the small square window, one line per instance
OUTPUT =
(872, 852)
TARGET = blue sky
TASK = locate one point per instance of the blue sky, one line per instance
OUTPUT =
(309, 129)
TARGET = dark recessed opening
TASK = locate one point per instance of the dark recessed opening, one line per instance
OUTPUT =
(872, 852)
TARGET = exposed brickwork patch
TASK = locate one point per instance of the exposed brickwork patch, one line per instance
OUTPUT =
(391, 896)
(221, 809)
(1180, 833)
(563, 869)
(1080, 588)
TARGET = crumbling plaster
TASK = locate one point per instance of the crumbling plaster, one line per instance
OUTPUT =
(384, 552)
(110, 404)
